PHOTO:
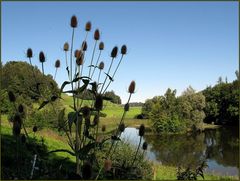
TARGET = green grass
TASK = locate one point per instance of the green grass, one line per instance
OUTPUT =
(169, 173)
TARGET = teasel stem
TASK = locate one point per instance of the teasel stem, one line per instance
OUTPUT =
(92, 58)
(114, 73)
(107, 74)
(99, 55)
(77, 145)
(137, 151)
(99, 76)
(55, 74)
(117, 131)
(67, 65)
(71, 68)
(42, 68)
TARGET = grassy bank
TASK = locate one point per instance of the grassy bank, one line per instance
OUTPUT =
(54, 141)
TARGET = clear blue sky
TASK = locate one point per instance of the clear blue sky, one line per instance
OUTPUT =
(171, 44)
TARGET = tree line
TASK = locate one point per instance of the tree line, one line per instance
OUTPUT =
(216, 105)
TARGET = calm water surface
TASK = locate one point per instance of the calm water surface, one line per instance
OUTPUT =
(219, 146)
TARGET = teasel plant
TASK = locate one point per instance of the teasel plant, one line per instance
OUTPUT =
(81, 125)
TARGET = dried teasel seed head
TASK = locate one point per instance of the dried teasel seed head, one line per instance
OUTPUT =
(121, 127)
(96, 35)
(88, 26)
(76, 53)
(84, 46)
(98, 102)
(85, 111)
(74, 21)
(79, 61)
(101, 45)
(11, 96)
(126, 107)
(57, 63)
(124, 49)
(107, 165)
(144, 146)
(114, 52)
(35, 129)
(41, 57)
(20, 108)
(103, 128)
(86, 170)
(131, 87)
(29, 53)
(141, 130)
(66, 46)
(16, 128)
(101, 65)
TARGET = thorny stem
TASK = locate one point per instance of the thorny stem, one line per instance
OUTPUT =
(107, 74)
(117, 131)
(114, 73)
(99, 55)
(71, 68)
(92, 58)
(67, 65)
(137, 150)
(42, 68)
(99, 76)
(55, 74)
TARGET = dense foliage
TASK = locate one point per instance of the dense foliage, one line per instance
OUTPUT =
(175, 114)
(222, 103)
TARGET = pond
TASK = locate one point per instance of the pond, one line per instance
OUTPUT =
(220, 148)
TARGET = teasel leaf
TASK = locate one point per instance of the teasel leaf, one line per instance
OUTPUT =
(110, 78)
(44, 103)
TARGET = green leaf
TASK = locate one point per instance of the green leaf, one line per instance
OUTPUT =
(62, 150)
(63, 85)
(83, 152)
(110, 78)
(44, 103)
(72, 117)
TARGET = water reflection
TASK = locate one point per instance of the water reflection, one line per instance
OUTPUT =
(220, 147)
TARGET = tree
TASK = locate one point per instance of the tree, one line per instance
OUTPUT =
(114, 98)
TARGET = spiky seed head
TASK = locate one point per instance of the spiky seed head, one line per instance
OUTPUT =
(41, 57)
(35, 129)
(57, 63)
(11, 96)
(76, 53)
(141, 130)
(124, 49)
(131, 87)
(126, 107)
(86, 170)
(107, 165)
(101, 65)
(121, 127)
(144, 146)
(74, 21)
(114, 52)
(16, 128)
(84, 46)
(23, 138)
(99, 102)
(101, 45)
(96, 119)
(103, 128)
(66, 46)
(29, 53)
(20, 108)
(79, 61)
(96, 35)
(88, 26)
(85, 111)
